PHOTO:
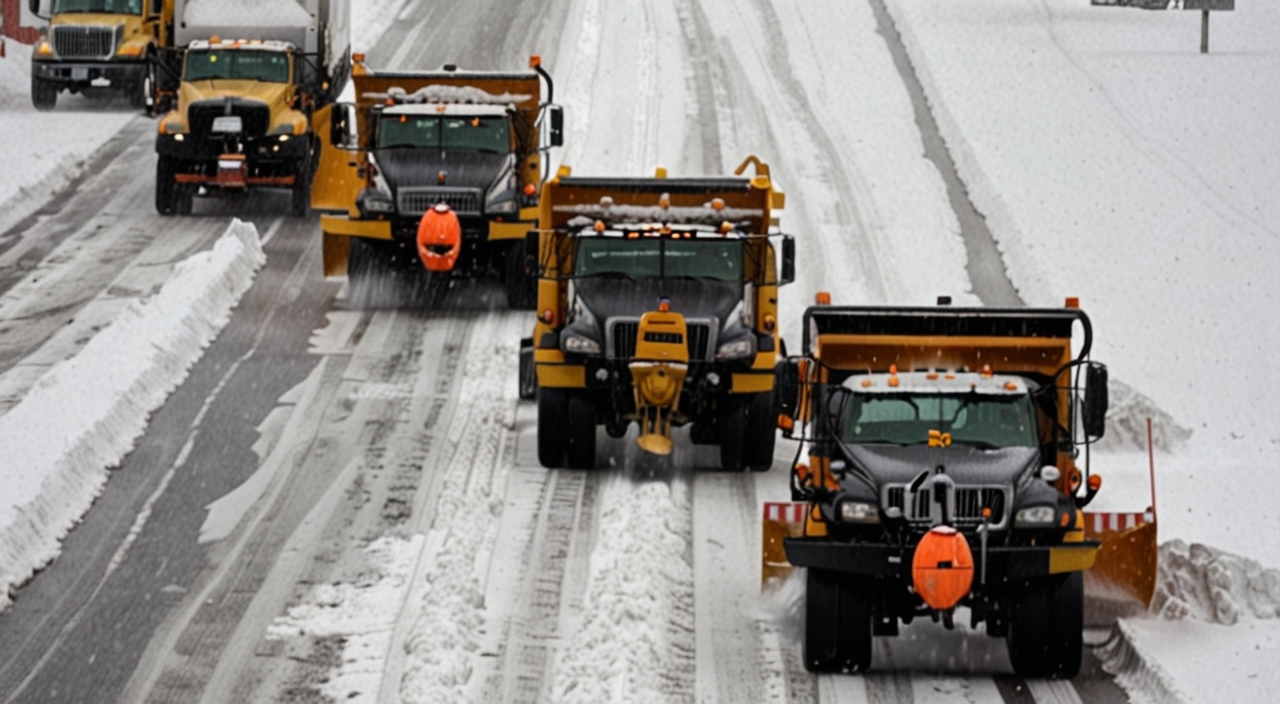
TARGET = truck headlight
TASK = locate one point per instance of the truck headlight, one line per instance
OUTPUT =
(859, 512)
(506, 206)
(579, 345)
(736, 349)
(373, 200)
(1035, 517)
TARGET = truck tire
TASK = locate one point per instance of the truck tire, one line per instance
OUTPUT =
(733, 433)
(553, 406)
(44, 94)
(837, 622)
(1046, 628)
(166, 187)
(521, 288)
(762, 432)
(580, 449)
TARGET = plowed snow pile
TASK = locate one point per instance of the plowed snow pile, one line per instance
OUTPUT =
(84, 415)
(1214, 628)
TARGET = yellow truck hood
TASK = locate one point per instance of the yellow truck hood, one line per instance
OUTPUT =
(275, 95)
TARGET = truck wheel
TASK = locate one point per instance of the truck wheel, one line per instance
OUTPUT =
(837, 622)
(580, 427)
(762, 432)
(1046, 625)
(44, 94)
(166, 188)
(733, 430)
(521, 288)
(553, 406)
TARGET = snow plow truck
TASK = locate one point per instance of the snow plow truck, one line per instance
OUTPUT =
(948, 466)
(657, 305)
(101, 47)
(254, 75)
(430, 175)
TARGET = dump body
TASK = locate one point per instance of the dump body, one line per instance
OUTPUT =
(657, 304)
(100, 46)
(410, 141)
(943, 472)
(253, 75)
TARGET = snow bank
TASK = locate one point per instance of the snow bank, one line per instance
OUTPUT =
(84, 415)
(635, 641)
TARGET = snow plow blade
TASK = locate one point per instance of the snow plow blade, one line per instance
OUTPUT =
(1125, 570)
(781, 520)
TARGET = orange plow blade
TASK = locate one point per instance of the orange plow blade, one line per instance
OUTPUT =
(1127, 560)
(781, 520)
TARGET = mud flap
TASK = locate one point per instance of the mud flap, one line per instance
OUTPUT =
(781, 520)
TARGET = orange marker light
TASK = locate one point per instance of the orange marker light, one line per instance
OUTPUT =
(358, 58)
(866, 383)
(893, 381)
(1095, 481)
(770, 322)
(986, 371)
(530, 189)
(822, 298)
(1010, 386)
(548, 316)
(717, 204)
(664, 306)
(1073, 302)
(786, 422)
(535, 61)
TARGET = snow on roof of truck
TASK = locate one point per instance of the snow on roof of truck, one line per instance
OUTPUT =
(246, 44)
(245, 13)
(448, 94)
(939, 382)
(614, 214)
(467, 109)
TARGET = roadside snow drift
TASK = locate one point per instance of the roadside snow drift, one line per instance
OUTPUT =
(85, 414)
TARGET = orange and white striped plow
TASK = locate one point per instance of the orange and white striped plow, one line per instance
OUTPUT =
(1127, 559)
(781, 520)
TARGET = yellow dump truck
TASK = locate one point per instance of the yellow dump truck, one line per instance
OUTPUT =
(101, 47)
(430, 175)
(657, 305)
(253, 78)
(948, 466)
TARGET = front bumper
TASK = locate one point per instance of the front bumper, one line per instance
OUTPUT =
(267, 150)
(80, 75)
(1003, 564)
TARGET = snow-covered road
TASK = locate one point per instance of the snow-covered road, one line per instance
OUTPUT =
(342, 504)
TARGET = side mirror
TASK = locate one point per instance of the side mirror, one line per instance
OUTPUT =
(1096, 400)
(555, 125)
(342, 129)
(788, 273)
(34, 6)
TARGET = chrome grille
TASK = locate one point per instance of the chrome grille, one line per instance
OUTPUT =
(71, 42)
(622, 334)
(416, 201)
(969, 502)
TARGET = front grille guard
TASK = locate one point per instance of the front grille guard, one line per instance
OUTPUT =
(80, 42)
(919, 508)
(418, 200)
(620, 338)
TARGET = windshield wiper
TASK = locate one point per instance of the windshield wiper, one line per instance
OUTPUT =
(980, 444)
(608, 275)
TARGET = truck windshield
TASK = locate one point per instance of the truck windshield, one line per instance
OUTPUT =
(482, 134)
(123, 7)
(237, 64)
(985, 421)
(654, 257)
